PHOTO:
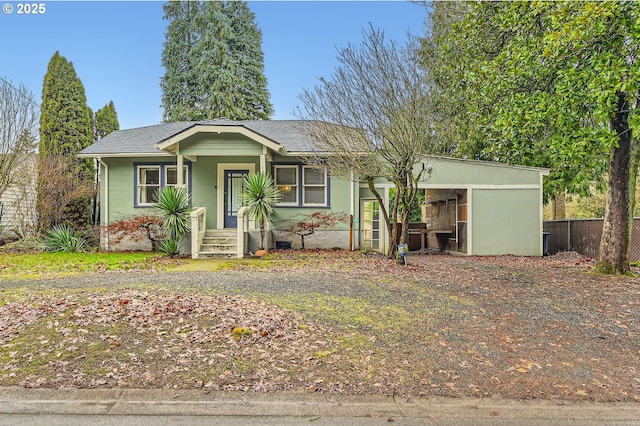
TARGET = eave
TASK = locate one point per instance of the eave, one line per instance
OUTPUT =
(126, 154)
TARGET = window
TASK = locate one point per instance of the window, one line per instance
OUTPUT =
(314, 186)
(301, 186)
(150, 178)
(148, 184)
(286, 180)
(171, 176)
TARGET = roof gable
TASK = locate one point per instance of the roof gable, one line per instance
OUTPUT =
(171, 143)
(282, 136)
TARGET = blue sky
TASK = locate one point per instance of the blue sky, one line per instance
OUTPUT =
(116, 47)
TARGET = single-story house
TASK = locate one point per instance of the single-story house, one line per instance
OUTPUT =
(471, 207)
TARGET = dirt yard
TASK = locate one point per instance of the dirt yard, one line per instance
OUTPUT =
(333, 322)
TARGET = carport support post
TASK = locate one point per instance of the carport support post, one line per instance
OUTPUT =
(470, 221)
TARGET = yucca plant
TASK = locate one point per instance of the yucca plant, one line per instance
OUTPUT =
(168, 246)
(259, 196)
(173, 207)
(63, 238)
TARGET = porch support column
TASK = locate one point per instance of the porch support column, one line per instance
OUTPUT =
(180, 166)
(263, 159)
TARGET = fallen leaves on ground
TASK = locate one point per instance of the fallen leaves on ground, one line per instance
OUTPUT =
(138, 338)
(518, 327)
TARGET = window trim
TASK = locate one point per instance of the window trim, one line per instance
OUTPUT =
(300, 184)
(314, 185)
(162, 165)
(297, 184)
(139, 186)
(166, 170)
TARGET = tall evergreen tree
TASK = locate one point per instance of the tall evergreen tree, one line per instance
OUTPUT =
(214, 63)
(179, 81)
(106, 121)
(65, 129)
(246, 40)
(103, 122)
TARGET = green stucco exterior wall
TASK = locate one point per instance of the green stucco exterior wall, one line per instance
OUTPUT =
(504, 203)
(339, 200)
(506, 221)
(203, 185)
(121, 189)
(464, 172)
(204, 190)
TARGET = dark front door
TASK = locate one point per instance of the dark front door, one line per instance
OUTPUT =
(233, 180)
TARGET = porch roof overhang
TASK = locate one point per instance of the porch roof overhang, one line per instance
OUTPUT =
(171, 144)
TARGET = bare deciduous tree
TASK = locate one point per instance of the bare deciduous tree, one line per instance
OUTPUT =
(18, 130)
(373, 119)
(59, 185)
(19, 199)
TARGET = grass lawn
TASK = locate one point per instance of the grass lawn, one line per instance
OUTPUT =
(33, 265)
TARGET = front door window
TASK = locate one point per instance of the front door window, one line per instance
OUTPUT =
(233, 184)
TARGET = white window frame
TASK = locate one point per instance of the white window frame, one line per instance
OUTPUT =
(162, 177)
(185, 171)
(314, 185)
(296, 185)
(141, 185)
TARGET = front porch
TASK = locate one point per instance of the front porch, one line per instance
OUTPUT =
(219, 243)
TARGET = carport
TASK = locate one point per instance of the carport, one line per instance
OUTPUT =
(473, 207)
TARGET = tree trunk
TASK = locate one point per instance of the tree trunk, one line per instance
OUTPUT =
(559, 205)
(613, 257)
(393, 236)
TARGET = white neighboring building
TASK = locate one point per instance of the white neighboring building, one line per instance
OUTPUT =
(18, 202)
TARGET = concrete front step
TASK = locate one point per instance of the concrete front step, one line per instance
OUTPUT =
(219, 243)
(219, 240)
(232, 248)
(217, 255)
(220, 233)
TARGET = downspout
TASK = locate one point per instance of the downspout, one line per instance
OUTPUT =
(105, 217)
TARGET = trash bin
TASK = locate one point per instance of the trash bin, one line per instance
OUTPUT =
(545, 242)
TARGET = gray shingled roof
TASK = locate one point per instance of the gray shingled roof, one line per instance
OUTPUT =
(142, 140)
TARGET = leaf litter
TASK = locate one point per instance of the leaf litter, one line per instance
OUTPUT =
(455, 326)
